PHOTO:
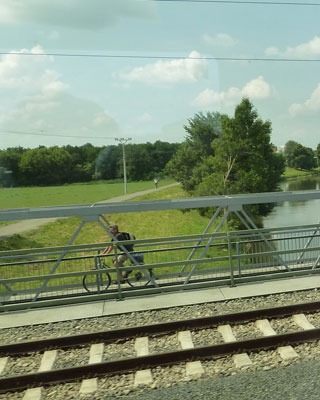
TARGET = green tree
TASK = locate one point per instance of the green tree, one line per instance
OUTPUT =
(108, 163)
(10, 159)
(189, 165)
(139, 161)
(303, 158)
(317, 155)
(83, 162)
(288, 152)
(161, 153)
(241, 159)
(45, 166)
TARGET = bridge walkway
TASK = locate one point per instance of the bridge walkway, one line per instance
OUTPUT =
(160, 301)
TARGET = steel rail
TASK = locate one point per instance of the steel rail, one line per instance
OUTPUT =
(155, 329)
(127, 365)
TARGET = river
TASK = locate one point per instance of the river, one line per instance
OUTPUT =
(296, 212)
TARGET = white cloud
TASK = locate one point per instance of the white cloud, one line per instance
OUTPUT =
(256, 89)
(36, 99)
(309, 49)
(221, 39)
(192, 69)
(310, 105)
(146, 117)
(60, 114)
(80, 14)
(54, 35)
(272, 51)
(28, 74)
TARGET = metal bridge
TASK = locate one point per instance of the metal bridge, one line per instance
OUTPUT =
(76, 273)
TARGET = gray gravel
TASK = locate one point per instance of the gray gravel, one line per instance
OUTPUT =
(296, 382)
(221, 378)
(13, 335)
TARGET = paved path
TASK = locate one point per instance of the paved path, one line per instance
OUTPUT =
(27, 225)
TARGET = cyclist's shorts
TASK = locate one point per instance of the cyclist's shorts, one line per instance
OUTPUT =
(138, 257)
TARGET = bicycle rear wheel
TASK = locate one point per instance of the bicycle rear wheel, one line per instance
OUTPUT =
(98, 282)
(139, 277)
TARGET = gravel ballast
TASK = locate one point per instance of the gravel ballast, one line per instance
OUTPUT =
(221, 380)
(85, 325)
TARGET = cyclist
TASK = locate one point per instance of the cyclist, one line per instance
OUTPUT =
(119, 236)
(156, 181)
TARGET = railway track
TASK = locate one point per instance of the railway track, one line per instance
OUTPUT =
(140, 349)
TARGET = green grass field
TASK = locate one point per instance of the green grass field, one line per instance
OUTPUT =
(291, 173)
(85, 193)
(143, 225)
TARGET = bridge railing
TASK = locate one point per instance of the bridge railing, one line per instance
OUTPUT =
(51, 276)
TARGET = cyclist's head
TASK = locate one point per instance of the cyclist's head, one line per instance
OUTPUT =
(113, 229)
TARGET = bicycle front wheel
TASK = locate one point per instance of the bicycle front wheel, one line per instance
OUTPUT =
(98, 282)
(139, 277)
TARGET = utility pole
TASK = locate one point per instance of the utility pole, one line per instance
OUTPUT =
(123, 141)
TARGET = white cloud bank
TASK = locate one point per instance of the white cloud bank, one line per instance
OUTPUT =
(310, 105)
(28, 74)
(221, 40)
(309, 49)
(79, 14)
(191, 69)
(256, 89)
(35, 99)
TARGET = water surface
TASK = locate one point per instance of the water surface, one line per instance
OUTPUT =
(296, 212)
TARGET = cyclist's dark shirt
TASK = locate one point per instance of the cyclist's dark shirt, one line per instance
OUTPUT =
(124, 236)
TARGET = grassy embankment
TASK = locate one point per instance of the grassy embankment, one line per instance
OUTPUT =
(80, 193)
(143, 225)
(291, 173)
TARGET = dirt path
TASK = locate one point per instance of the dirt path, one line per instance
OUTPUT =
(30, 224)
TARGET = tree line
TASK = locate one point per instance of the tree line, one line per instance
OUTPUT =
(301, 157)
(69, 164)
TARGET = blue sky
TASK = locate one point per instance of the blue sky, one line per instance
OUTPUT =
(161, 75)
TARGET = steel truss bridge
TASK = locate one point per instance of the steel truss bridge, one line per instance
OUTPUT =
(216, 257)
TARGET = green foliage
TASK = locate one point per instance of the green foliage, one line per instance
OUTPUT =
(300, 157)
(83, 162)
(107, 163)
(54, 165)
(45, 165)
(238, 159)
(189, 165)
(288, 152)
(147, 160)
(10, 159)
(303, 158)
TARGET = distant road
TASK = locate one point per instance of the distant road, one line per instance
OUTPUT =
(30, 224)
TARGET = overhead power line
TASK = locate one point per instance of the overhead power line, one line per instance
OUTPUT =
(137, 56)
(272, 3)
(56, 135)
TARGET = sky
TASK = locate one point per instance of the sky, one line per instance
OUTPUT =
(80, 71)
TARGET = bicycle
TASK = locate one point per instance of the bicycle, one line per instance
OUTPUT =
(101, 280)
(141, 277)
